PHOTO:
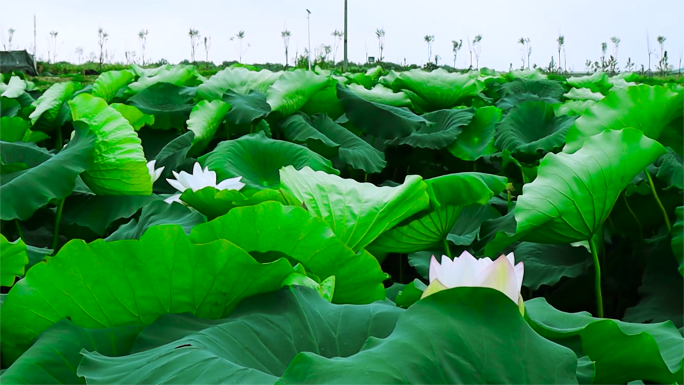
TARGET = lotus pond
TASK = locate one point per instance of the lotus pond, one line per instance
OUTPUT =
(317, 227)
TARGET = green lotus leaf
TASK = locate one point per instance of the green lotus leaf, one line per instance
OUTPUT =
(9, 107)
(621, 351)
(325, 102)
(13, 129)
(293, 90)
(477, 138)
(547, 264)
(364, 79)
(245, 109)
(410, 294)
(239, 80)
(378, 119)
(179, 75)
(597, 82)
(13, 260)
(97, 212)
(532, 74)
(573, 107)
(55, 355)
(169, 104)
(532, 129)
(147, 72)
(671, 169)
(678, 239)
(324, 136)
(15, 88)
(383, 95)
(439, 89)
(119, 166)
(523, 90)
(357, 212)
(46, 177)
(172, 156)
(574, 193)
(158, 213)
(449, 195)
(655, 110)
(46, 117)
(109, 83)
(444, 127)
(257, 160)
(131, 282)
(212, 202)
(305, 239)
(583, 94)
(205, 119)
(298, 335)
(135, 117)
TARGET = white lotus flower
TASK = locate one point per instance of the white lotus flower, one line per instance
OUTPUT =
(198, 180)
(503, 275)
(154, 174)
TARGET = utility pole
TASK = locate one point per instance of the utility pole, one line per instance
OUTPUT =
(308, 23)
(345, 36)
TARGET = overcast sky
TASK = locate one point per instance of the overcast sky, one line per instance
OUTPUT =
(585, 24)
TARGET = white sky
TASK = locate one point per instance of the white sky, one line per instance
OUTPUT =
(585, 25)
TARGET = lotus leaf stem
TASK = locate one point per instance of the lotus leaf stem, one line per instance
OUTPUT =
(660, 204)
(446, 247)
(58, 219)
(597, 278)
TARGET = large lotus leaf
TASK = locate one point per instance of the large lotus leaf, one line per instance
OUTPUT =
(522, 90)
(532, 129)
(439, 89)
(147, 72)
(378, 119)
(245, 109)
(357, 212)
(238, 80)
(621, 351)
(257, 160)
(46, 177)
(135, 117)
(574, 193)
(328, 138)
(671, 169)
(180, 75)
(678, 239)
(15, 88)
(9, 107)
(597, 82)
(256, 344)
(172, 156)
(46, 116)
(477, 138)
(131, 282)
(324, 101)
(167, 102)
(583, 94)
(449, 195)
(97, 212)
(158, 213)
(546, 264)
(205, 119)
(108, 83)
(655, 110)
(365, 79)
(119, 167)
(532, 74)
(573, 107)
(55, 355)
(212, 202)
(382, 94)
(13, 129)
(445, 338)
(444, 127)
(13, 260)
(288, 230)
(293, 89)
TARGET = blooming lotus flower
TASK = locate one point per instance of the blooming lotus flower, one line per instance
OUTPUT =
(198, 180)
(503, 275)
(154, 174)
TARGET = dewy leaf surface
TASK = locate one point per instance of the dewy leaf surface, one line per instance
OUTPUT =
(119, 166)
(132, 282)
(357, 212)
(292, 231)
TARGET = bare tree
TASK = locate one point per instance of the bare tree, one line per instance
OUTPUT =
(194, 43)
(102, 37)
(79, 54)
(240, 37)
(616, 43)
(142, 37)
(92, 57)
(207, 46)
(429, 39)
(604, 48)
(476, 50)
(130, 57)
(455, 47)
(380, 34)
(527, 50)
(10, 33)
(53, 45)
(286, 41)
(661, 42)
(561, 45)
(337, 37)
